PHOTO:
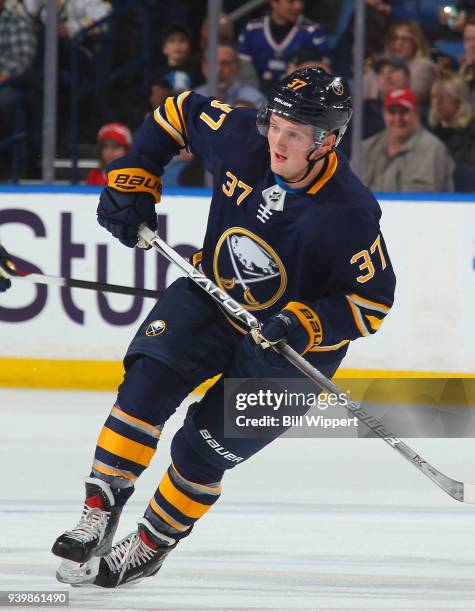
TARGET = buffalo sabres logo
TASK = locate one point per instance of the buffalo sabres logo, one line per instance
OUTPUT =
(156, 328)
(337, 87)
(248, 269)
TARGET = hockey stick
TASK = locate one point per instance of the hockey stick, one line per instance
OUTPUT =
(60, 281)
(460, 491)
(8, 270)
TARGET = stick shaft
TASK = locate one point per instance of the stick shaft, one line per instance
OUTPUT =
(59, 281)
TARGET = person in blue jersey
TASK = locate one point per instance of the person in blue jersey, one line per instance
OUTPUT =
(294, 237)
(269, 42)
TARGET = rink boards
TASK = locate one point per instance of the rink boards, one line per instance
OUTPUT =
(60, 337)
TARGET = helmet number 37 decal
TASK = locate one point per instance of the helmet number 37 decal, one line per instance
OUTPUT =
(296, 84)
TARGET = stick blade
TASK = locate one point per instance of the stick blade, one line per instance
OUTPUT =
(469, 493)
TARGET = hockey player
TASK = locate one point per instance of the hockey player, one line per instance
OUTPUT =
(293, 236)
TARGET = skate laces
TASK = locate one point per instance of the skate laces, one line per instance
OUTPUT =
(130, 552)
(91, 525)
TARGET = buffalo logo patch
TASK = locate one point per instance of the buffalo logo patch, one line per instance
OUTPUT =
(337, 87)
(156, 328)
(247, 268)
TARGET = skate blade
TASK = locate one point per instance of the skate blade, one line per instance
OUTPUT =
(70, 572)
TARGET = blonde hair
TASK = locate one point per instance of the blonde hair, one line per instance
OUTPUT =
(420, 41)
(455, 87)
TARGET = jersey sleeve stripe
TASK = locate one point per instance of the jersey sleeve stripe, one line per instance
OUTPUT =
(173, 118)
(374, 322)
(245, 57)
(179, 102)
(377, 306)
(329, 347)
(360, 324)
(168, 128)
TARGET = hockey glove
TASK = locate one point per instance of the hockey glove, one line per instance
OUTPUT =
(7, 268)
(121, 214)
(129, 200)
(297, 324)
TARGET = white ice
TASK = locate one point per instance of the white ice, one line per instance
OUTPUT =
(323, 524)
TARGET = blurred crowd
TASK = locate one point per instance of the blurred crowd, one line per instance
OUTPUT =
(119, 60)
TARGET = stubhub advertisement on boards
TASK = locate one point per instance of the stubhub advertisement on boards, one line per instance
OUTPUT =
(431, 242)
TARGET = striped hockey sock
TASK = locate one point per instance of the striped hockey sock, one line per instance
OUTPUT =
(178, 503)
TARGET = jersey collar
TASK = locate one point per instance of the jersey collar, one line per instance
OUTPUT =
(325, 174)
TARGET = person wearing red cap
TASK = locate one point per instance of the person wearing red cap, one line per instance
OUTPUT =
(113, 141)
(405, 156)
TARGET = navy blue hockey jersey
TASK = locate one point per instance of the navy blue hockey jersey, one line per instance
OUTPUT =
(269, 246)
(270, 58)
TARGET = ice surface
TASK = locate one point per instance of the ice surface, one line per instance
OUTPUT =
(306, 524)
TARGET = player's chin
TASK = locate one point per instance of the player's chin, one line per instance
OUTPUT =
(277, 167)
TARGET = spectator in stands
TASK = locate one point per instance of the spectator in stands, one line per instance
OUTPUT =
(113, 141)
(73, 15)
(306, 57)
(451, 119)
(386, 73)
(229, 86)
(225, 30)
(405, 156)
(17, 51)
(160, 89)
(17, 44)
(467, 66)
(181, 69)
(268, 42)
(407, 41)
(391, 73)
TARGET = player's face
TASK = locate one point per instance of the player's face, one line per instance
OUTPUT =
(401, 122)
(289, 145)
(287, 10)
(469, 43)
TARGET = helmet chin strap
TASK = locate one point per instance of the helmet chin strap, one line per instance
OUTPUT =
(310, 165)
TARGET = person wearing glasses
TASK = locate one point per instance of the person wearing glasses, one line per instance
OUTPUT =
(405, 156)
(406, 41)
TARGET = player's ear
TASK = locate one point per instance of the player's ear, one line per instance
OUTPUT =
(326, 147)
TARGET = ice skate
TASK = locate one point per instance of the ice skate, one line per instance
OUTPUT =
(93, 535)
(137, 556)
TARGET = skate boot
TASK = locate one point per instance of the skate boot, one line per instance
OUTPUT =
(137, 556)
(93, 535)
